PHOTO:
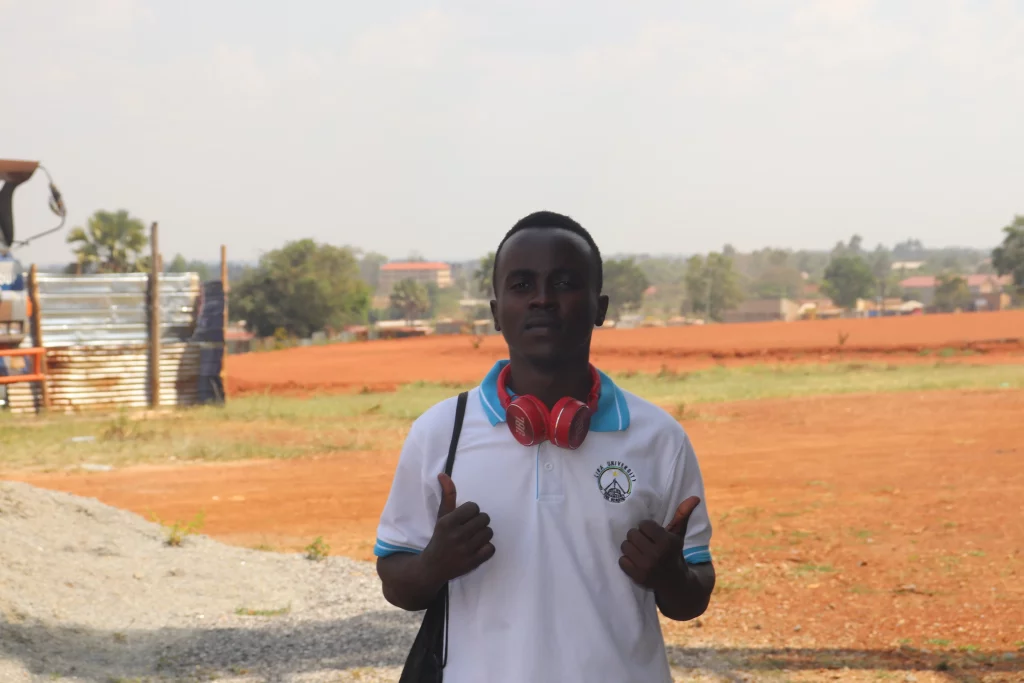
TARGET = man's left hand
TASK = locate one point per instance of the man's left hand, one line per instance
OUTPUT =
(652, 555)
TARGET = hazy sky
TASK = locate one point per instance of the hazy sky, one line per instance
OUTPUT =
(663, 126)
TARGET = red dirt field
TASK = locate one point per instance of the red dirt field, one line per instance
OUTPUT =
(382, 365)
(840, 522)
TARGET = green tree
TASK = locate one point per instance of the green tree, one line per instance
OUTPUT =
(772, 275)
(1008, 258)
(624, 283)
(442, 301)
(411, 298)
(886, 281)
(303, 287)
(369, 268)
(712, 286)
(848, 278)
(178, 264)
(483, 276)
(952, 293)
(111, 242)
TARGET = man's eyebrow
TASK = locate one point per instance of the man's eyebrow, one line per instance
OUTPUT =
(520, 272)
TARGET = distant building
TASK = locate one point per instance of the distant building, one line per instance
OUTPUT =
(901, 266)
(987, 290)
(819, 308)
(422, 272)
(873, 308)
(761, 310)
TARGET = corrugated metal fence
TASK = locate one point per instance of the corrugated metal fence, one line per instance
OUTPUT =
(96, 332)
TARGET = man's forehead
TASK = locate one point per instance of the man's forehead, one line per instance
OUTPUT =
(547, 238)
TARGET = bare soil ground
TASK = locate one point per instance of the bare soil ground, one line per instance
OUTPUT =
(383, 365)
(878, 532)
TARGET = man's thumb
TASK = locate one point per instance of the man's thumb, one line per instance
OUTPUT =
(447, 494)
(682, 516)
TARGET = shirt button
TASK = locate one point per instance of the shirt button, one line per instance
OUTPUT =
(548, 466)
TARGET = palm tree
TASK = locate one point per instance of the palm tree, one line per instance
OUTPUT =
(111, 243)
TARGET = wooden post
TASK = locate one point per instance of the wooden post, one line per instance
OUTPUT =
(226, 287)
(37, 332)
(154, 318)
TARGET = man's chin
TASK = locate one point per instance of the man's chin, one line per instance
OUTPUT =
(545, 358)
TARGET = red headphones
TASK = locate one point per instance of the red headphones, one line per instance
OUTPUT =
(530, 422)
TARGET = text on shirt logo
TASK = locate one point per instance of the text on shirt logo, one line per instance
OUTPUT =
(615, 481)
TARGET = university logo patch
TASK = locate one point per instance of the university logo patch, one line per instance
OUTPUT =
(615, 481)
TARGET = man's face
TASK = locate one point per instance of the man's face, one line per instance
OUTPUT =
(546, 301)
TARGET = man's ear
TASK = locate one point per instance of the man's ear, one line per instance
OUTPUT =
(494, 314)
(602, 309)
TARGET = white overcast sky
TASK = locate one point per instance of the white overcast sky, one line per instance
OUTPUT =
(663, 126)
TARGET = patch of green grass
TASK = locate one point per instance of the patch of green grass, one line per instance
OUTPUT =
(938, 642)
(178, 530)
(268, 427)
(318, 550)
(811, 568)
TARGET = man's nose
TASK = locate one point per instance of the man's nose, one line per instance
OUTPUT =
(543, 296)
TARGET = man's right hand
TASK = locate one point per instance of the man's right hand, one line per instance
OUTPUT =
(462, 537)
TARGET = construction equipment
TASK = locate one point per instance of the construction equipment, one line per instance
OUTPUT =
(15, 306)
(15, 299)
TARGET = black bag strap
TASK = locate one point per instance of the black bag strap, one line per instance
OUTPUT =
(460, 414)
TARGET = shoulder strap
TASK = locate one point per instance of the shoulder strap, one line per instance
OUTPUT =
(460, 413)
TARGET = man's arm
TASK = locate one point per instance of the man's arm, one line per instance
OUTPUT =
(688, 595)
(460, 543)
(407, 582)
(652, 555)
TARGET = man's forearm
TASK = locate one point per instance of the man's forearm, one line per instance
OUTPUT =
(687, 596)
(406, 582)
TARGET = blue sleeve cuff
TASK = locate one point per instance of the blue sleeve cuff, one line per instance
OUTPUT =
(698, 554)
(384, 549)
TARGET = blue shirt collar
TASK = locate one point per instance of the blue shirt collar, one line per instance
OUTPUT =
(612, 411)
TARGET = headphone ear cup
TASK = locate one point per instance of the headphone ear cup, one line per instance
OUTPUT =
(569, 423)
(527, 419)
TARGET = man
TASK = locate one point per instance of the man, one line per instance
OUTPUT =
(558, 558)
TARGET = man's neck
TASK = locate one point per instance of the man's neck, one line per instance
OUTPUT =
(550, 385)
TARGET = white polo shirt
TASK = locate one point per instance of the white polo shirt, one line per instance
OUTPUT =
(552, 604)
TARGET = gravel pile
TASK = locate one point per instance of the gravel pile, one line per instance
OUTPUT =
(92, 593)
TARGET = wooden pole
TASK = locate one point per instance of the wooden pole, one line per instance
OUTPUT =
(226, 287)
(37, 332)
(154, 318)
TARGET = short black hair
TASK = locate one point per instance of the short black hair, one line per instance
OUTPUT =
(550, 220)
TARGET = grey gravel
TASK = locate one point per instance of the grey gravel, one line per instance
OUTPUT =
(92, 593)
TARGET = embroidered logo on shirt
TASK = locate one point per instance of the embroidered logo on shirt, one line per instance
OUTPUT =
(615, 481)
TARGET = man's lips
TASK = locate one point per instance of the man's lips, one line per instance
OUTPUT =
(546, 324)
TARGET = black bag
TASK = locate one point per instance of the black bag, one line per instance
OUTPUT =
(429, 653)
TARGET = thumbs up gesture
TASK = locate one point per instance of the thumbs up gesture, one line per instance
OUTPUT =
(652, 555)
(462, 537)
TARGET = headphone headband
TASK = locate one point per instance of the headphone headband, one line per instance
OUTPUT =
(592, 399)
